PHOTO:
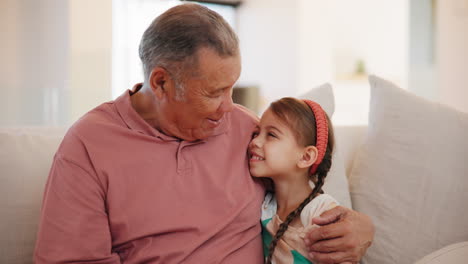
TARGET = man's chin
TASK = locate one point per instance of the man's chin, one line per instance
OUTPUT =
(213, 123)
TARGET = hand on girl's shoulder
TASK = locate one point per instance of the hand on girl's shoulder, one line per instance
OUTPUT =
(316, 207)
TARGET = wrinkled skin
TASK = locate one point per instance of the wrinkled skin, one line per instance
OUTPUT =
(344, 236)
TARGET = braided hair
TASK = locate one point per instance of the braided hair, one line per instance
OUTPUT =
(298, 114)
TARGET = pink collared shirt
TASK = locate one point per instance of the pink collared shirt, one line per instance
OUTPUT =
(119, 191)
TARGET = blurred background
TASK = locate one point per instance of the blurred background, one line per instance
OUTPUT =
(61, 58)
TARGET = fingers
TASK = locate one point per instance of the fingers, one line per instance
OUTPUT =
(327, 232)
(332, 245)
(332, 258)
(346, 239)
(330, 216)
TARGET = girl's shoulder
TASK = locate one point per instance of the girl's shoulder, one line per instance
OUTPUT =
(269, 206)
(316, 207)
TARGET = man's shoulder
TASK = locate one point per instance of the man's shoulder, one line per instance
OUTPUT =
(242, 122)
(244, 114)
(97, 119)
(93, 124)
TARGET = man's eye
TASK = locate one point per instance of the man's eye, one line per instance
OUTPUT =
(218, 93)
(215, 96)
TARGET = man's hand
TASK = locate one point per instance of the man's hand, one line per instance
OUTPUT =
(343, 237)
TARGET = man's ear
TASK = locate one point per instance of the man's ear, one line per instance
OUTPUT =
(309, 156)
(157, 79)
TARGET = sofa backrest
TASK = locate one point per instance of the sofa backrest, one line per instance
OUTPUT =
(348, 140)
(25, 158)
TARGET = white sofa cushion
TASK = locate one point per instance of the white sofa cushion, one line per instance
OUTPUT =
(25, 159)
(410, 175)
(322, 94)
(336, 183)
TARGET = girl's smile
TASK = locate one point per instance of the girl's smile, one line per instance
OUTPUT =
(254, 157)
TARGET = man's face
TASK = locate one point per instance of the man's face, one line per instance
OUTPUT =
(206, 99)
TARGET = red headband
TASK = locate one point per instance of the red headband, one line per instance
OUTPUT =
(322, 132)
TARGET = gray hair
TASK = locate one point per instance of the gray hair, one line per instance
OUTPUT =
(174, 37)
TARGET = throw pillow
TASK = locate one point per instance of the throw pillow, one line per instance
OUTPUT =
(410, 175)
(336, 183)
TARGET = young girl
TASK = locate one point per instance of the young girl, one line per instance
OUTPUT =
(292, 146)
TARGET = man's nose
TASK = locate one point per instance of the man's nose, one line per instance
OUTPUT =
(227, 105)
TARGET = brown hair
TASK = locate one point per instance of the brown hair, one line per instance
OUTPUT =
(298, 115)
(173, 38)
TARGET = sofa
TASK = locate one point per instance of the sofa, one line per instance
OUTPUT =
(383, 170)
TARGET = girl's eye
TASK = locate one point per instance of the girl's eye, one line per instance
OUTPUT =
(254, 134)
(271, 135)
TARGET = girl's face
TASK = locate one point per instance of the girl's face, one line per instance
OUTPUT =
(273, 151)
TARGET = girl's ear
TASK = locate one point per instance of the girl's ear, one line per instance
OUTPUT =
(309, 156)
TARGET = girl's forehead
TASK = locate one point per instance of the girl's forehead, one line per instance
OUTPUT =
(270, 119)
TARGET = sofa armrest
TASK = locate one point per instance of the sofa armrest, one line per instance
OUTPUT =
(452, 254)
(25, 158)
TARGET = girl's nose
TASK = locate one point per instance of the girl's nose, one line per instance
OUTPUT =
(255, 142)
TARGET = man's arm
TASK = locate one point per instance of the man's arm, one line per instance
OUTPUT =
(343, 237)
(74, 226)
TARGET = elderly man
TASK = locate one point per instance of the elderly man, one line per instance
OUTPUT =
(160, 175)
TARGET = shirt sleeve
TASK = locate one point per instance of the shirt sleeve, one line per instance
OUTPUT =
(316, 207)
(74, 225)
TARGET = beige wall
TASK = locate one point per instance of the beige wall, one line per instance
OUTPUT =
(9, 73)
(452, 53)
(56, 55)
(56, 60)
(268, 33)
(289, 47)
(90, 54)
(33, 65)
